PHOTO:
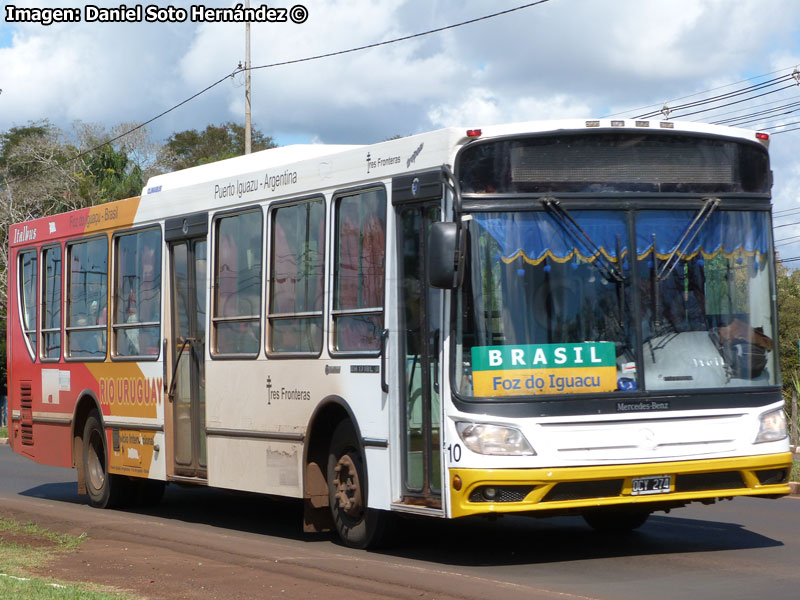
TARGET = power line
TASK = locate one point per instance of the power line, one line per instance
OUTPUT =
(786, 210)
(783, 241)
(400, 39)
(749, 118)
(786, 225)
(767, 120)
(769, 116)
(717, 102)
(762, 124)
(697, 112)
(790, 212)
(288, 62)
(785, 131)
(783, 125)
(744, 108)
(758, 86)
(122, 135)
(722, 87)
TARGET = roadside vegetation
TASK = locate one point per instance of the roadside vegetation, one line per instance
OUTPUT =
(24, 547)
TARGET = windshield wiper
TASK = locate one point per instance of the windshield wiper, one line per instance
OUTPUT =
(684, 243)
(681, 247)
(607, 269)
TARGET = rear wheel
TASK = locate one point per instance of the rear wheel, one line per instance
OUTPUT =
(616, 520)
(357, 525)
(103, 488)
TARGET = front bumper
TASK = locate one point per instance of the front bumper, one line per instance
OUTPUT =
(565, 488)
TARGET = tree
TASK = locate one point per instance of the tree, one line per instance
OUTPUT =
(32, 182)
(43, 172)
(217, 142)
(105, 171)
(788, 284)
(788, 288)
(29, 184)
(12, 138)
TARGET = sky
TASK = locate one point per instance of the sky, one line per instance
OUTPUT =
(557, 59)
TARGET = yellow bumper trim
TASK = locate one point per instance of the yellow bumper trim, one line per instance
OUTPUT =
(543, 480)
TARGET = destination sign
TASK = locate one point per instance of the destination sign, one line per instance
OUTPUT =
(544, 369)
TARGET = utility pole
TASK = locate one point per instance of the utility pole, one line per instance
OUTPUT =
(248, 135)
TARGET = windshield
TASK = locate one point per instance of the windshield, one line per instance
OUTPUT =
(707, 317)
(551, 308)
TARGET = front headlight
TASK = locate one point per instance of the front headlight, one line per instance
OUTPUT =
(772, 426)
(483, 438)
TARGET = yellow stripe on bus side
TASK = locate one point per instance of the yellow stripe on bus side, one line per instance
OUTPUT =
(113, 215)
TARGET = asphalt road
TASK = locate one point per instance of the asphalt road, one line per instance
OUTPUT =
(743, 549)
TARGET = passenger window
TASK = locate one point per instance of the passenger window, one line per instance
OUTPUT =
(28, 291)
(51, 303)
(137, 294)
(87, 299)
(297, 266)
(359, 271)
(237, 300)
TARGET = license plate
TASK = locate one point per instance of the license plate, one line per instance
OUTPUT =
(657, 484)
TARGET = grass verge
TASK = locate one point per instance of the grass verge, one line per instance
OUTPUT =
(3, 432)
(795, 474)
(25, 546)
(41, 589)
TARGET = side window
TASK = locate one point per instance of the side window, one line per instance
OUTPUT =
(296, 269)
(87, 297)
(359, 271)
(237, 277)
(137, 293)
(51, 303)
(27, 291)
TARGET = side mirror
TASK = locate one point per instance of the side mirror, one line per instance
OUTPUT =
(445, 255)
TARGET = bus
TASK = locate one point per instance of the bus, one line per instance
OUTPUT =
(548, 318)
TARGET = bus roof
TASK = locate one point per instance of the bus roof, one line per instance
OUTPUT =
(288, 156)
(574, 125)
(263, 159)
(305, 169)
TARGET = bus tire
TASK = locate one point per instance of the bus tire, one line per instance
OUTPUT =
(104, 489)
(616, 520)
(357, 525)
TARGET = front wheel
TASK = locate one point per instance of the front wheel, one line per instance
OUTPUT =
(357, 525)
(103, 488)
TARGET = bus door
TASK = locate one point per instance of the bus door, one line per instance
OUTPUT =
(187, 239)
(417, 201)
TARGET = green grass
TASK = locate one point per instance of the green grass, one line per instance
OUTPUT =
(3, 432)
(31, 545)
(795, 475)
(25, 546)
(41, 589)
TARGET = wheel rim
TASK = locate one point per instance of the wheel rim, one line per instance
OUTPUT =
(348, 487)
(96, 462)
